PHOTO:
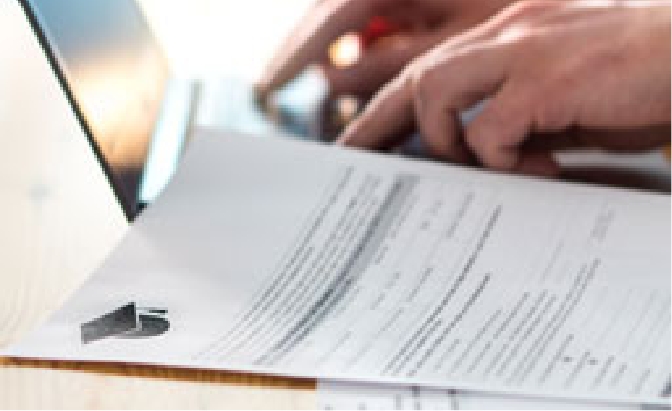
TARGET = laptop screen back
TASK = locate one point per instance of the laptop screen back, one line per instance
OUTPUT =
(116, 73)
(60, 216)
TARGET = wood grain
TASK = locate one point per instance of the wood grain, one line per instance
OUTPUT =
(55, 384)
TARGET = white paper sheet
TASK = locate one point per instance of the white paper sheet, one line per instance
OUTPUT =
(291, 258)
(348, 396)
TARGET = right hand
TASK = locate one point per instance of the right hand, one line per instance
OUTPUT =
(429, 21)
(556, 75)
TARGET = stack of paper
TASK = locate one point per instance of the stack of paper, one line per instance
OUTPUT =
(348, 396)
(295, 259)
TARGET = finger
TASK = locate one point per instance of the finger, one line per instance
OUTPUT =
(464, 72)
(496, 134)
(440, 131)
(457, 81)
(308, 42)
(384, 118)
(377, 65)
(540, 164)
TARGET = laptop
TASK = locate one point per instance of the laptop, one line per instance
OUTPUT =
(138, 115)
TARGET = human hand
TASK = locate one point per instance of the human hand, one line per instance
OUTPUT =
(556, 75)
(423, 23)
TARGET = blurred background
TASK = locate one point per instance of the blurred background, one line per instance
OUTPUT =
(211, 38)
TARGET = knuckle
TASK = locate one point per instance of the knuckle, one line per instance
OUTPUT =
(549, 114)
(422, 79)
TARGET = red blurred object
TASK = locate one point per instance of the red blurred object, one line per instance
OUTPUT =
(377, 28)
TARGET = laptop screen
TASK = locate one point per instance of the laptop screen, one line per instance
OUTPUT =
(116, 74)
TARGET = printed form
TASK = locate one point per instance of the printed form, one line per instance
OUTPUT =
(295, 259)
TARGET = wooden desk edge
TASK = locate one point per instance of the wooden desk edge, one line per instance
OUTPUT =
(165, 373)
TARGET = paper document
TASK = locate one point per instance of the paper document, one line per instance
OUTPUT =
(348, 396)
(296, 259)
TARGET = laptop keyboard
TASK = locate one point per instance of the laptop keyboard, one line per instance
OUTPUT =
(229, 104)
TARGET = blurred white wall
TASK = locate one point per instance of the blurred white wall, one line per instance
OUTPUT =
(206, 38)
